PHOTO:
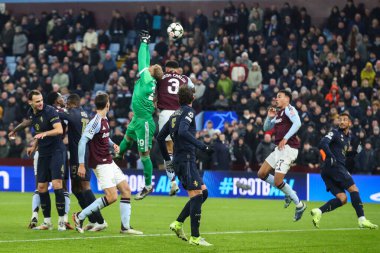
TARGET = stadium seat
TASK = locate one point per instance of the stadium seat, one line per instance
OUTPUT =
(12, 67)
(114, 47)
(10, 59)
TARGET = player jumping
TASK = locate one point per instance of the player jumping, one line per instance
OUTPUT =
(181, 127)
(334, 147)
(286, 123)
(142, 126)
(167, 102)
(109, 175)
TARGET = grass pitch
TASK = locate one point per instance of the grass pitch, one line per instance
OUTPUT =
(232, 225)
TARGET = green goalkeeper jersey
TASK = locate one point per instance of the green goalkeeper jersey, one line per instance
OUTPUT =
(145, 86)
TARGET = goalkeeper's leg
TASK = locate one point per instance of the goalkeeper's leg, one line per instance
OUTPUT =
(125, 144)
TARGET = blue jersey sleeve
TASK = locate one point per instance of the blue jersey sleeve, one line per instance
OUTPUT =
(325, 143)
(52, 116)
(183, 130)
(292, 114)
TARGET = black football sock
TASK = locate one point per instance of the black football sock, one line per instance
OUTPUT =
(83, 204)
(331, 205)
(45, 204)
(90, 197)
(195, 214)
(186, 210)
(60, 202)
(184, 213)
(357, 203)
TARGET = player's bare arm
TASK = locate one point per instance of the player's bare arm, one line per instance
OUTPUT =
(20, 127)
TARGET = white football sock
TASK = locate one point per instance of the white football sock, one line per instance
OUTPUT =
(125, 213)
(292, 194)
(97, 205)
(67, 202)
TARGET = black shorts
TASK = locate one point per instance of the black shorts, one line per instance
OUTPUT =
(51, 167)
(188, 175)
(337, 179)
(74, 173)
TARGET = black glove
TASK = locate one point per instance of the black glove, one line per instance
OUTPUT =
(209, 149)
(144, 36)
(169, 166)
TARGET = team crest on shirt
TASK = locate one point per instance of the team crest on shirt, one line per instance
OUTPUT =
(195, 183)
(37, 127)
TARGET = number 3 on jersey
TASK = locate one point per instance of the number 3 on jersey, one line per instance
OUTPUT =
(174, 86)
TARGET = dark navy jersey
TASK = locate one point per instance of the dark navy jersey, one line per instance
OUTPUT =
(43, 121)
(336, 144)
(77, 120)
(182, 129)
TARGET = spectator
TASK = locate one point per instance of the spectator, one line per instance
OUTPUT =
(143, 20)
(90, 39)
(61, 78)
(118, 29)
(365, 160)
(309, 157)
(201, 21)
(210, 96)
(242, 154)
(20, 42)
(109, 64)
(204, 159)
(255, 77)
(225, 85)
(264, 149)
(4, 148)
(221, 156)
(368, 74)
(16, 148)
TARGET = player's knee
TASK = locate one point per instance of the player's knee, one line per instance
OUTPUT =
(111, 198)
(342, 198)
(42, 187)
(279, 184)
(57, 184)
(262, 175)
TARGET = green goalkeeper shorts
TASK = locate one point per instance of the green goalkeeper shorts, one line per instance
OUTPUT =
(142, 131)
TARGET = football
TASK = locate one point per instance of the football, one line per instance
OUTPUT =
(175, 31)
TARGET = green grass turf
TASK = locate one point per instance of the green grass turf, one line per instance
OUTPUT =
(262, 225)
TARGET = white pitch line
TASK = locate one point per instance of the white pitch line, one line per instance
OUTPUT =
(161, 235)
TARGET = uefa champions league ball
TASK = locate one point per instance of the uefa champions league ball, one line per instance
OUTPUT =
(175, 31)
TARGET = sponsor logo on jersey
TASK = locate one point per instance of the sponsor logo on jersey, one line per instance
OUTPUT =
(105, 135)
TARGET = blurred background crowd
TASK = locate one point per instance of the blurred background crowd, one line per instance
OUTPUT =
(238, 58)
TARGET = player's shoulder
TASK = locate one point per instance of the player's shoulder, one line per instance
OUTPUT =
(291, 110)
(188, 112)
(333, 132)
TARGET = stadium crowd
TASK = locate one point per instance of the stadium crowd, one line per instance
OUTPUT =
(238, 58)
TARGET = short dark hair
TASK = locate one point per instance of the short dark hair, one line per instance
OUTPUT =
(73, 99)
(52, 97)
(101, 100)
(186, 95)
(172, 64)
(345, 114)
(287, 94)
(33, 93)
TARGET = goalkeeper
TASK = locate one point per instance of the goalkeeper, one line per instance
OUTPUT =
(142, 126)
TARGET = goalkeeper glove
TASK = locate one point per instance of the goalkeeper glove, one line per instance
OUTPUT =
(144, 36)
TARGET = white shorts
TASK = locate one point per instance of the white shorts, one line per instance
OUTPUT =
(281, 160)
(162, 119)
(109, 175)
(35, 162)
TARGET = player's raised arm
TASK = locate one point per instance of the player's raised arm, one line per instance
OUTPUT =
(183, 131)
(270, 120)
(292, 114)
(92, 128)
(143, 57)
(162, 142)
